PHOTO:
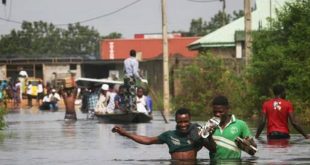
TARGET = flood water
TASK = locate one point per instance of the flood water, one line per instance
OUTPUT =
(35, 137)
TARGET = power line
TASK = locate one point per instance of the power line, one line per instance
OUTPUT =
(82, 21)
(10, 20)
(104, 15)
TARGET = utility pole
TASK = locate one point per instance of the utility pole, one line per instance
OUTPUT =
(247, 31)
(223, 13)
(270, 9)
(165, 61)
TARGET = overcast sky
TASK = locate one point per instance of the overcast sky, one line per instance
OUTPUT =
(128, 17)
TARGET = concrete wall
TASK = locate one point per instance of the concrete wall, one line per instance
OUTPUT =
(60, 70)
(228, 54)
(224, 53)
(154, 73)
(3, 72)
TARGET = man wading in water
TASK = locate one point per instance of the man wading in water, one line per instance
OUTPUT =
(69, 96)
(183, 143)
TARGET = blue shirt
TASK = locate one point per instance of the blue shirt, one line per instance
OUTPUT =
(121, 101)
(131, 67)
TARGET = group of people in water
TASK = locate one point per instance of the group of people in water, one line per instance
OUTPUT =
(13, 90)
(185, 141)
(114, 99)
(225, 140)
(47, 99)
(10, 93)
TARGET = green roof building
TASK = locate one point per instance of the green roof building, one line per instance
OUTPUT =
(228, 41)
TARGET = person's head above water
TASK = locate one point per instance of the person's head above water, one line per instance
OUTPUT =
(183, 119)
(279, 91)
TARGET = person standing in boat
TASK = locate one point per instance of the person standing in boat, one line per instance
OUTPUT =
(131, 70)
(183, 143)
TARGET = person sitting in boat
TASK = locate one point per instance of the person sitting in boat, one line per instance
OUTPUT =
(112, 93)
(184, 142)
(104, 97)
(54, 97)
(84, 94)
(120, 100)
(149, 101)
(45, 103)
(93, 97)
(141, 101)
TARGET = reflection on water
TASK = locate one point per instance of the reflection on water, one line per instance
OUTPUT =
(35, 137)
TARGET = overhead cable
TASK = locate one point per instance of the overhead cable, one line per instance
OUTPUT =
(104, 15)
(82, 21)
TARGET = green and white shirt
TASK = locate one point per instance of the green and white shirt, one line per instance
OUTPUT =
(226, 147)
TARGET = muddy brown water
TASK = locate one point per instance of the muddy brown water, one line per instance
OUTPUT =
(36, 137)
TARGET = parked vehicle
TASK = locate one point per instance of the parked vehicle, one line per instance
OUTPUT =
(34, 86)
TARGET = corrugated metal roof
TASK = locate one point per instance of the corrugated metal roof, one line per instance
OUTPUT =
(225, 36)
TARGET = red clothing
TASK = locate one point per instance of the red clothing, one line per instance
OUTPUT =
(277, 111)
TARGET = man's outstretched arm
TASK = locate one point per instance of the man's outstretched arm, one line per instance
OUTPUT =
(137, 138)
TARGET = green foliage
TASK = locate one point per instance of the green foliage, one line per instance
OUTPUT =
(40, 38)
(2, 121)
(113, 35)
(200, 27)
(205, 78)
(237, 14)
(218, 20)
(281, 55)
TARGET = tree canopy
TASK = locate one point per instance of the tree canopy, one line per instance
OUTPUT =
(200, 27)
(35, 39)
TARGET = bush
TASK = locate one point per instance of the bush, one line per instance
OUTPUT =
(205, 78)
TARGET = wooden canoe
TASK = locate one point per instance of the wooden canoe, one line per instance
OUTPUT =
(130, 117)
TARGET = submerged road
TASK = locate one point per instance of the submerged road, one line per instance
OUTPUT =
(36, 137)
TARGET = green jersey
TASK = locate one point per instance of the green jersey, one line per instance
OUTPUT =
(179, 142)
(226, 147)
